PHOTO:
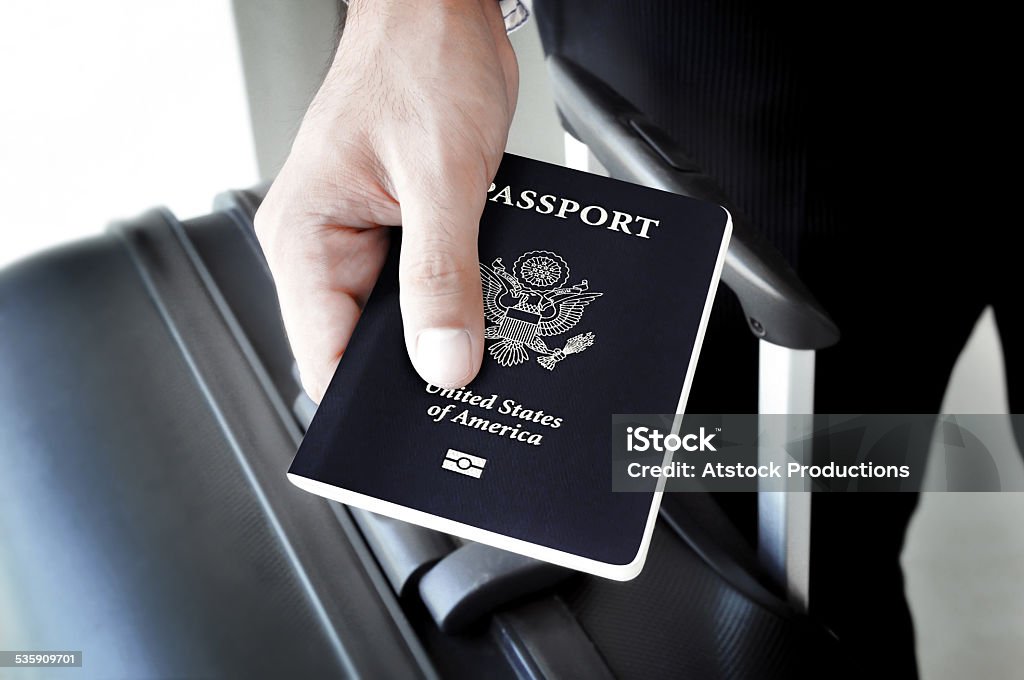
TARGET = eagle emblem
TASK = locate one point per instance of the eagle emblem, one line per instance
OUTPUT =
(531, 303)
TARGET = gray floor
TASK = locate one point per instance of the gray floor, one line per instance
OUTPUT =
(964, 556)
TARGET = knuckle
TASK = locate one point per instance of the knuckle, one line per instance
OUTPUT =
(435, 273)
(274, 211)
(263, 223)
(266, 225)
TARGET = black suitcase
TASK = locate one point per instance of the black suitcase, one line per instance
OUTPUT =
(148, 412)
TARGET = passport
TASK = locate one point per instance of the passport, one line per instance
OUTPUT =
(596, 296)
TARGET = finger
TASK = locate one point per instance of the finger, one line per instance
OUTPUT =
(323, 277)
(442, 304)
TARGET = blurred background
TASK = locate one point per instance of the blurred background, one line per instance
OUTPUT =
(111, 107)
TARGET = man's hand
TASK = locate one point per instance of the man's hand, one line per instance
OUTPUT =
(408, 128)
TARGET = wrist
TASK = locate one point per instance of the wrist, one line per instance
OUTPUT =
(404, 9)
(390, 24)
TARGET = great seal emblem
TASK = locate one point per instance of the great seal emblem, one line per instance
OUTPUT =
(531, 303)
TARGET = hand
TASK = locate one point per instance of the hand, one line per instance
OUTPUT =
(408, 128)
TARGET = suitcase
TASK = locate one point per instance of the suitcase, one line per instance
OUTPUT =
(148, 412)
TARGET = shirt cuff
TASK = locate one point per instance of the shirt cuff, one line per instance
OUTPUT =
(515, 14)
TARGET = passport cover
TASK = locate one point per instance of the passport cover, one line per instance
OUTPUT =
(596, 296)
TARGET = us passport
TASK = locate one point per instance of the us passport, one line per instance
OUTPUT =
(596, 295)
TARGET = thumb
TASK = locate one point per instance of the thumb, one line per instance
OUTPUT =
(439, 276)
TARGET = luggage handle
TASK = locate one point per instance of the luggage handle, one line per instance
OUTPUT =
(475, 580)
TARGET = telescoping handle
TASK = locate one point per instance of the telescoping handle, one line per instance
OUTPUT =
(789, 321)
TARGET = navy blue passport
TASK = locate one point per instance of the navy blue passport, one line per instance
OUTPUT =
(596, 296)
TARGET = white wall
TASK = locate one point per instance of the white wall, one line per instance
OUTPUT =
(109, 107)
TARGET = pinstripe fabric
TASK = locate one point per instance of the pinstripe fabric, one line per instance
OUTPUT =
(718, 77)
